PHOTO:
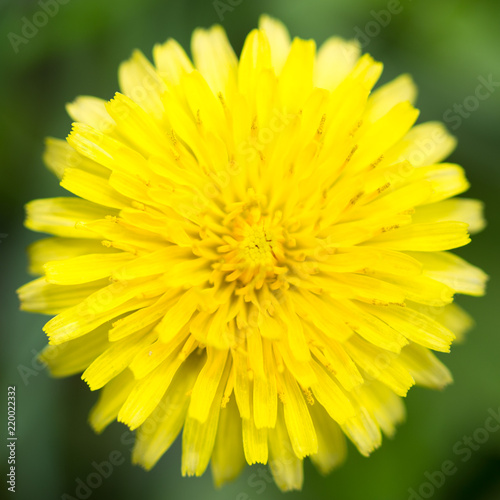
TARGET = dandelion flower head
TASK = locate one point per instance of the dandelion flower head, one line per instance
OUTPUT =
(257, 253)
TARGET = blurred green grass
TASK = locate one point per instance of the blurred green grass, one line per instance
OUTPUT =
(446, 46)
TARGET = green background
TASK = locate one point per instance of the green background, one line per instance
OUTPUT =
(445, 45)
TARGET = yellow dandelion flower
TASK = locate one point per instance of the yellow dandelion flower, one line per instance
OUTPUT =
(257, 253)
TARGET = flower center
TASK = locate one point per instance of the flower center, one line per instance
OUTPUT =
(254, 251)
(257, 245)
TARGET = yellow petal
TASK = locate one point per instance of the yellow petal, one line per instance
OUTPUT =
(105, 304)
(241, 383)
(186, 126)
(59, 155)
(424, 237)
(139, 81)
(336, 59)
(317, 310)
(286, 467)
(365, 288)
(60, 216)
(228, 461)
(215, 59)
(207, 383)
(455, 209)
(297, 418)
(447, 180)
(96, 146)
(147, 393)
(295, 82)
(119, 235)
(43, 297)
(91, 111)
(171, 61)
(146, 316)
(55, 249)
(204, 105)
(331, 397)
(425, 368)
(454, 318)
(337, 361)
(84, 268)
(198, 438)
(265, 396)
(426, 144)
(332, 448)
(93, 188)
(270, 328)
(383, 134)
(111, 398)
(352, 259)
(255, 353)
(453, 271)
(115, 359)
(161, 428)
(400, 89)
(177, 316)
(255, 57)
(152, 263)
(369, 327)
(379, 364)
(76, 355)
(137, 126)
(147, 357)
(295, 331)
(279, 40)
(363, 431)
(366, 71)
(416, 326)
(172, 230)
(421, 289)
(254, 440)
(396, 201)
(384, 406)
